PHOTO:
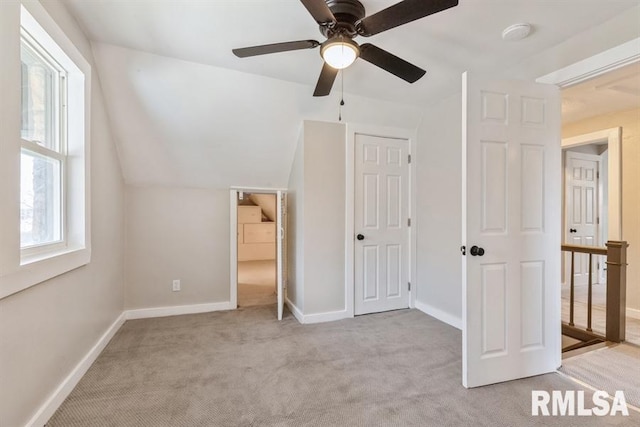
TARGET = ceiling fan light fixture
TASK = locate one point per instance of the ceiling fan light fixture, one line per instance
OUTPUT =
(339, 52)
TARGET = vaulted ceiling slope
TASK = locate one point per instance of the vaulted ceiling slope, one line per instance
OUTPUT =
(185, 111)
(188, 124)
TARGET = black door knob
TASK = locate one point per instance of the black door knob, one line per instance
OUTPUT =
(476, 251)
(360, 237)
(573, 230)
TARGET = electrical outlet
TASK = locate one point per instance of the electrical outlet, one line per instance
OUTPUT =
(176, 285)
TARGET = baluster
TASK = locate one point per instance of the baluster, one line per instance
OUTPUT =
(589, 296)
(572, 291)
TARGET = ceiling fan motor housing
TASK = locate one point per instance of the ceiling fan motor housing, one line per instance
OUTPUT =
(347, 13)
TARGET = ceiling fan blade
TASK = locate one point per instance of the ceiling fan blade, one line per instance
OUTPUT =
(401, 13)
(391, 63)
(325, 81)
(320, 11)
(274, 48)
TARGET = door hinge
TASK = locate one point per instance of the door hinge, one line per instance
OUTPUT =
(597, 220)
(409, 283)
(597, 175)
(408, 222)
(409, 158)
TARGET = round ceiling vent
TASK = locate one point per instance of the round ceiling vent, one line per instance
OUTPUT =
(516, 32)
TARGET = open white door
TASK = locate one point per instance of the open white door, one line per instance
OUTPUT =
(511, 230)
(281, 249)
(582, 172)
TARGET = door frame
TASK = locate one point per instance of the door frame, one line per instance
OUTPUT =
(233, 236)
(352, 130)
(601, 63)
(566, 269)
(611, 59)
(613, 138)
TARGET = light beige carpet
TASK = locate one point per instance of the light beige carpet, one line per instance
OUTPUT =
(244, 368)
(612, 368)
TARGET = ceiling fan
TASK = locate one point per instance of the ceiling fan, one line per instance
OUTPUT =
(343, 20)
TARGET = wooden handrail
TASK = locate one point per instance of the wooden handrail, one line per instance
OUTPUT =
(616, 253)
(595, 250)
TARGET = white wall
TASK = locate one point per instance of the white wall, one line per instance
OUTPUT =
(176, 233)
(324, 216)
(47, 329)
(317, 219)
(439, 210)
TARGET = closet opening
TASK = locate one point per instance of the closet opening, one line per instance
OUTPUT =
(258, 248)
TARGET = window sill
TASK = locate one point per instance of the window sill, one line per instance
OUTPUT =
(42, 267)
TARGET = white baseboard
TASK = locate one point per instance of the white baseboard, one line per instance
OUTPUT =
(325, 317)
(442, 316)
(145, 313)
(295, 310)
(633, 313)
(67, 385)
(316, 317)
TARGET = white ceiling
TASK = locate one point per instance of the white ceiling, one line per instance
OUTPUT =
(617, 90)
(466, 37)
(186, 111)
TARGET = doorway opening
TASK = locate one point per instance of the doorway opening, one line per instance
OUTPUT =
(256, 263)
(257, 248)
(593, 194)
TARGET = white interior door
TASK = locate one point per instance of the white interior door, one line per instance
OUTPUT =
(512, 213)
(582, 210)
(381, 224)
(281, 253)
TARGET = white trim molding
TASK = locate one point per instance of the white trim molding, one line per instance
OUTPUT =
(233, 235)
(177, 310)
(233, 248)
(633, 313)
(352, 130)
(307, 319)
(67, 385)
(294, 310)
(609, 60)
(441, 315)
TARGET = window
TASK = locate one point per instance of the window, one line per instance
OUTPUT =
(44, 141)
(43, 147)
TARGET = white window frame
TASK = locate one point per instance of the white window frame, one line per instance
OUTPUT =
(58, 152)
(22, 268)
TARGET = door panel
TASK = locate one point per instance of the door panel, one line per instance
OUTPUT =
(281, 256)
(511, 210)
(581, 188)
(381, 214)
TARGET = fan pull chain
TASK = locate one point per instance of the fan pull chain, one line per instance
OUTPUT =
(341, 95)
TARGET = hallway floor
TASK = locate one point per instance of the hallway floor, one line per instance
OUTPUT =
(256, 283)
(599, 311)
